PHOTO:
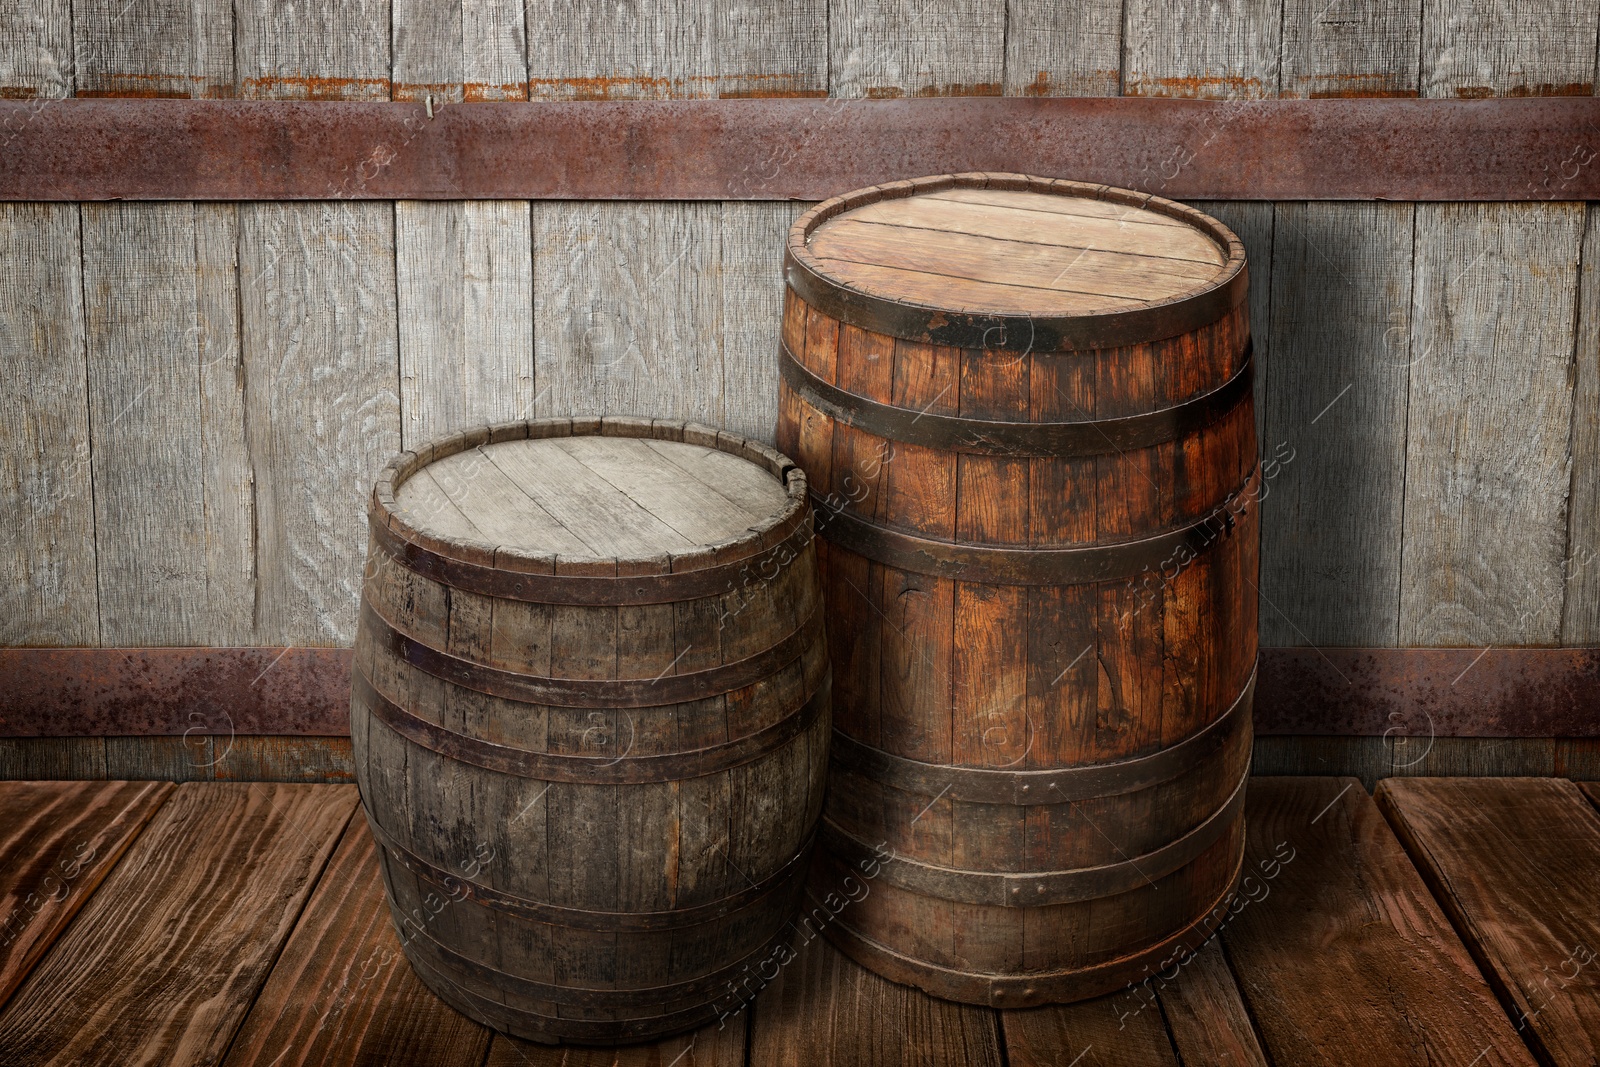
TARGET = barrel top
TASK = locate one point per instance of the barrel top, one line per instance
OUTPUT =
(957, 259)
(676, 495)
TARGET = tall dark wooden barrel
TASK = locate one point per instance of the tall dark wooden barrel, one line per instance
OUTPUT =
(590, 719)
(1025, 409)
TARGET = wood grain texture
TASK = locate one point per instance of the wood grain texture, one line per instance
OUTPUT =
(1513, 862)
(1488, 423)
(824, 1010)
(1335, 422)
(628, 309)
(60, 839)
(48, 594)
(341, 992)
(36, 60)
(171, 476)
(1095, 1033)
(317, 52)
(465, 305)
(1063, 49)
(1341, 952)
(753, 236)
(464, 50)
(710, 1046)
(27, 759)
(1479, 48)
(1580, 616)
(1222, 51)
(169, 976)
(167, 48)
(195, 758)
(1330, 50)
(892, 48)
(1206, 1014)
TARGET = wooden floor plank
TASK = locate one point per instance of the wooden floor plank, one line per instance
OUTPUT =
(710, 1046)
(343, 993)
(163, 962)
(1516, 864)
(1340, 950)
(1206, 1013)
(826, 1011)
(58, 840)
(1095, 1033)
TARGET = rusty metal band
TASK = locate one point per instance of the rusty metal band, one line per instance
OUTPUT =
(1392, 149)
(1031, 989)
(1038, 333)
(1059, 440)
(595, 692)
(600, 591)
(581, 919)
(1058, 786)
(1030, 566)
(594, 770)
(1037, 888)
(710, 985)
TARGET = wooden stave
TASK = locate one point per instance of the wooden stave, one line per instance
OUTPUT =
(721, 935)
(814, 439)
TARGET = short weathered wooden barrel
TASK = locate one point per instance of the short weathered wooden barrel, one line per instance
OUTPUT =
(1025, 409)
(590, 718)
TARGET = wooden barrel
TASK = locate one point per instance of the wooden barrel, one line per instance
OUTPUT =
(590, 719)
(1025, 409)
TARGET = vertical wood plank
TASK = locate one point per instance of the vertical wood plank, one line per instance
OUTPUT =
(164, 961)
(48, 594)
(1206, 1014)
(166, 48)
(1513, 862)
(460, 50)
(60, 840)
(36, 60)
(1330, 50)
(1481, 48)
(29, 759)
(1335, 418)
(337, 51)
(1341, 952)
(342, 993)
(892, 48)
(1488, 422)
(1063, 49)
(710, 1046)
(1220, 51)
(753, 237)
(1580, 617)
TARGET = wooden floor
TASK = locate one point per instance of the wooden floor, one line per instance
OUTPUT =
(1445, 921)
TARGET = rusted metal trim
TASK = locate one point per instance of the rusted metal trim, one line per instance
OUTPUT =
(589, 590)
(595, 692)
(961, 328)
(995, 565)
(459, 887)
(1033, 889)
(1342, 692)
(1057, 786)
(1387, 149)
(983, 437)
(1028, 990)
(594, 770)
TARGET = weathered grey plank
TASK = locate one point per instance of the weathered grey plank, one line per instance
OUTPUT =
(753, 236)
(1480, 48)
(770, 47)
(34, 759)
(1335, 422)
(628, 309)
(465, 273)
(1055, 49)
(1218, 51)
(158, 524)
(625, 51)
(35, 51)
(888, 48)
(460, 50)
(319, 322)
(154, 48)
(47, 578)
(1488, 422)
(1341, 50)
(1580, 619)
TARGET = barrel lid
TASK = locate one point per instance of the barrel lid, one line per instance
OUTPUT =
(1016, 262)
(603, 497)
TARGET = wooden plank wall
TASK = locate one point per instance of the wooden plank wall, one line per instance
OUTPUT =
(200, 393)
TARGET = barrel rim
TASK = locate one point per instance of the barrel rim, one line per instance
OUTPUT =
(523, 568)
(955, 327)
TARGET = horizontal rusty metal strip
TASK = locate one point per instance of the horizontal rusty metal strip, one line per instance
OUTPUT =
(1337, 692)
(804, 149)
